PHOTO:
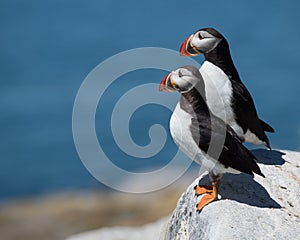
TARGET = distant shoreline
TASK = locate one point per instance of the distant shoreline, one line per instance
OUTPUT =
(61, 214)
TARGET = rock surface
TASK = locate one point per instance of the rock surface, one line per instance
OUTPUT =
(147, 232)
(249, 208)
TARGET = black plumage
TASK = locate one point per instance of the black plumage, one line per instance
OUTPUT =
(203, 136)
(242, 104)
(204, 124)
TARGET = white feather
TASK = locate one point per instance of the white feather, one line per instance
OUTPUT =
(219, 91)
(251, 137)
(180, 130)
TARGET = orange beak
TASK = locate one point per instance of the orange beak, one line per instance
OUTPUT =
(186, 49)
(163, 86)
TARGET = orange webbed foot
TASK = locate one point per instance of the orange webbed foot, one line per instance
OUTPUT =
(199, 190)
(206, 199)
(211, 194)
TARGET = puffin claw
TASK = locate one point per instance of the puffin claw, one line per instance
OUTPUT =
(196, 195)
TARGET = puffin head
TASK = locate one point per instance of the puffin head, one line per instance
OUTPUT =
(202, 41)
(182, 80)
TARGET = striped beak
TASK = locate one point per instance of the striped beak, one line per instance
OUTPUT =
(166, 85)
(187, 49)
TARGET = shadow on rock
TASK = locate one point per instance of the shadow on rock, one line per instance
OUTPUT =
(269, 157)
(242, 188)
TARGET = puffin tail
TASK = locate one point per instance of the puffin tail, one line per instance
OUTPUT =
(266, 127)
(258, 171)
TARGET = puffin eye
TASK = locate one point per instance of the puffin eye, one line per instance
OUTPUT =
(200, 37)
(179, 74)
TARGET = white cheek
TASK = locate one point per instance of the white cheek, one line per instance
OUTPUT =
(206, 44)
(196, 41)
(192, 81)
(183, 82)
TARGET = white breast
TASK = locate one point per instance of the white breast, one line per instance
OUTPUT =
(218, 89)
(251, 137)
(180, 130)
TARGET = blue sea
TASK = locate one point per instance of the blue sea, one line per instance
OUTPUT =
(47, 48)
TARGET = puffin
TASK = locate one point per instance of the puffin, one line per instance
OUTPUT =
(194, 129)
(222, 81)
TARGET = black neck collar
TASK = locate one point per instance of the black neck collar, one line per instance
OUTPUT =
(194, 101)
(220, 56)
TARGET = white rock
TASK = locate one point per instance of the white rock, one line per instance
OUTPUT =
(249, 208)
(147, 232)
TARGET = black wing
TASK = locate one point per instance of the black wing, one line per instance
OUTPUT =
(243, 105)
(233, 153)
(246, 115)
(266, 127)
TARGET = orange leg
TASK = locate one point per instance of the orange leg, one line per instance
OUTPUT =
(211, 194)
(199, 190)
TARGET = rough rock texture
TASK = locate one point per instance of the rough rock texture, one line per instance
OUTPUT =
(249, 208)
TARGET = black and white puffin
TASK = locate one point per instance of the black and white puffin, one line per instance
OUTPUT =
(221, 78)
(194, 129)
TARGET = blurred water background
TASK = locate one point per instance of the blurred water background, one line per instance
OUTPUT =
(48, 47)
